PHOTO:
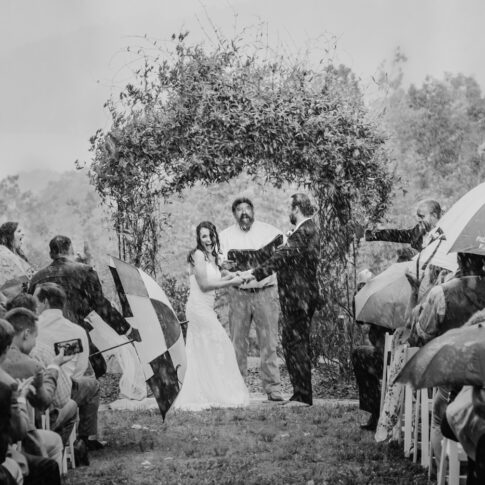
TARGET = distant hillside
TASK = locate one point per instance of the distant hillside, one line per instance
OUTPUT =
(37, 180)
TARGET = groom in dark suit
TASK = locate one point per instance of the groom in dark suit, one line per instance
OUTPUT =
(296, 266)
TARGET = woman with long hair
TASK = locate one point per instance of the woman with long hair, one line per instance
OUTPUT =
(212, 378)
(15, 269)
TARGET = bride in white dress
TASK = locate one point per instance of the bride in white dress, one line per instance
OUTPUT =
(212, 378)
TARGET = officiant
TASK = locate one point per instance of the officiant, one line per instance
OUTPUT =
(256, 301)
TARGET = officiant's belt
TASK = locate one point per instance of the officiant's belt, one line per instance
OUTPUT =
(255, 290)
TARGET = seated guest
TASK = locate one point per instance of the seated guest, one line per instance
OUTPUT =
(10, 471)
(53, 327)
(22, 300)
(449, 305)
(84, 293)
(52, 385)
(36, 469)
(15, 269)
(19, 365)
(388, 426)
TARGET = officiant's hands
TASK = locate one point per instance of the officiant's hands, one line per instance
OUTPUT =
(236, 281)
(247, 276)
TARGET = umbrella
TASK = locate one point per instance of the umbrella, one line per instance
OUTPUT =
(384, 298)
(455, 358)
(132, 383)
(437, 253)
(464, 223)
(162, 348)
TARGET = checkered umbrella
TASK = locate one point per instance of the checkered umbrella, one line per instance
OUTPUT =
(162, 348)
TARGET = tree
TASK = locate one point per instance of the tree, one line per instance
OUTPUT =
(197, 115)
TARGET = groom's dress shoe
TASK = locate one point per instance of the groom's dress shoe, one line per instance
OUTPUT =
(275, 396)
(371, 425)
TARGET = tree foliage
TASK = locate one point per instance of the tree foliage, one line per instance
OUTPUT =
(207, 115)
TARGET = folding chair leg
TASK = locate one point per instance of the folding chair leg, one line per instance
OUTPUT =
(425, 429)
(416, 426)
(408, 416)
(453, 463)
(442, 469)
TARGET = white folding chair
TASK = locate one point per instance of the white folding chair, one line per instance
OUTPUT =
(426, 407)
(385, 367)
(68, 452)
(452, 454)
(422, 430)
(408, 410)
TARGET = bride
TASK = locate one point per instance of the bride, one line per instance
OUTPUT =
(212, 378)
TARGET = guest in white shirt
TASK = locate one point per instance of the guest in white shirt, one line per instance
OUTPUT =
(53, 328)
(255, 301)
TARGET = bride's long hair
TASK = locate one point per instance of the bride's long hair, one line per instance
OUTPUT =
(216, 245)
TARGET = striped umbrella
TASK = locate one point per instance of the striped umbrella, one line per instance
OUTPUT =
(464, 223)
(162, 349)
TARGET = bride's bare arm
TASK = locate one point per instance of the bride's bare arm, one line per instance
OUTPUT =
(207, 283)
(228, 276)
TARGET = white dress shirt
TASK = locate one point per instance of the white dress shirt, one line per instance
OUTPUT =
(53, 328)
(257, 237)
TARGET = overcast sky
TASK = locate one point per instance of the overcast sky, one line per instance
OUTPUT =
(61, 59)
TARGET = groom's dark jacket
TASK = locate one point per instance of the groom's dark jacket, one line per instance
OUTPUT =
(296, 266)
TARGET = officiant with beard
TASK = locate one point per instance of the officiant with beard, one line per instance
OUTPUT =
(256, 301)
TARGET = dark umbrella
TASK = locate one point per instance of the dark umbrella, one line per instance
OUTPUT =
(455, 358)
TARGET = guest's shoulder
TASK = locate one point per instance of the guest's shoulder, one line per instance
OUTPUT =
(75, 329)
(5, 252)
(20, 365)
(76, 265)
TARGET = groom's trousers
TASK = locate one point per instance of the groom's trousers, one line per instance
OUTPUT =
(295, 339)
(261, 306)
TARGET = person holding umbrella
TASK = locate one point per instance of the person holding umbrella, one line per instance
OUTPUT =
(447, 306)
(428, 214)
(367, 361)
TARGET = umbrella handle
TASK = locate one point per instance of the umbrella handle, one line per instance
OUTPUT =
(111, 348)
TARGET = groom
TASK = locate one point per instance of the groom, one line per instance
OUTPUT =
(296, 266)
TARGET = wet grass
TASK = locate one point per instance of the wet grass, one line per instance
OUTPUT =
(266, 445)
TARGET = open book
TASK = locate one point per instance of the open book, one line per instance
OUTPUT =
(250, 258)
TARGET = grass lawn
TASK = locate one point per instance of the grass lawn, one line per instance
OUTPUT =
(260, 445)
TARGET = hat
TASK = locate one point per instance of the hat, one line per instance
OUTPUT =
(364, 276)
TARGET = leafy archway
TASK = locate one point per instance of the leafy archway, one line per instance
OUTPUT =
(206, 115)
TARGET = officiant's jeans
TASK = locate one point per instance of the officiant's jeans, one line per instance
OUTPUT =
(262, 307)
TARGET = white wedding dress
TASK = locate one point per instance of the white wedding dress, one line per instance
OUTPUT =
(212, 378)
